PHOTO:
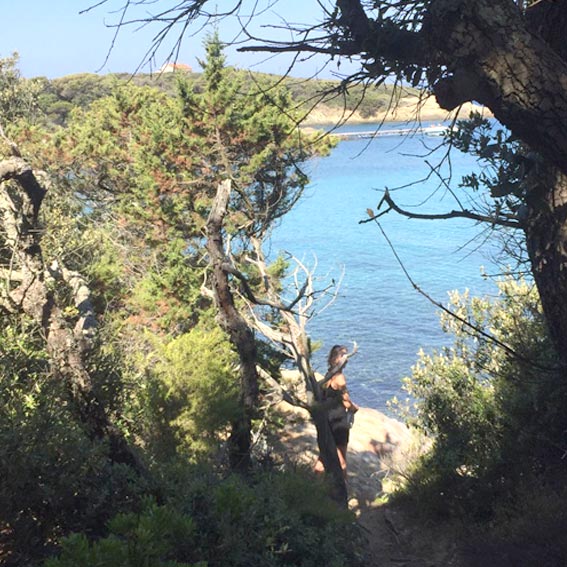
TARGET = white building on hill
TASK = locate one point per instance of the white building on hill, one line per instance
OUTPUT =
(173, 67)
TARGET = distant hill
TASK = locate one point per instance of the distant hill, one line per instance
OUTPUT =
(322, 101)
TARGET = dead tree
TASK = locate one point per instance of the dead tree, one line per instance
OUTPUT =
(293, 340)
(291, 336)
(30, 288)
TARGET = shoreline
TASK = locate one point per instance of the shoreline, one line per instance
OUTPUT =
(380, 448)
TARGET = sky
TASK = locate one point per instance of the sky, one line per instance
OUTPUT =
(54, 39)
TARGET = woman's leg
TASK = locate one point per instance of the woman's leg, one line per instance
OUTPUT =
(341, 451)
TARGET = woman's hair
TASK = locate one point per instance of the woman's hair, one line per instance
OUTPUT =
(336, 351)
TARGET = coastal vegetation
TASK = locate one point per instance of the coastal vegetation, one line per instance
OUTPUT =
(120, 391)
(139, 319)
(316, 99)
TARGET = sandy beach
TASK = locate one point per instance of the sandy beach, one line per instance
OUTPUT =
(408, 109)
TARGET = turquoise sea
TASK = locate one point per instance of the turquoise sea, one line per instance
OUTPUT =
(376, 305)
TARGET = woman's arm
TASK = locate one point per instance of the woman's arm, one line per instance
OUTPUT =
(348, 403)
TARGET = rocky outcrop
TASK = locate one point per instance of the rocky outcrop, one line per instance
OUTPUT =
(379, 449)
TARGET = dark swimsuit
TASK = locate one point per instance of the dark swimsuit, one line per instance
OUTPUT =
(337, 416)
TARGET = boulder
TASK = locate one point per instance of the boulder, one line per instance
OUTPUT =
(380, 447)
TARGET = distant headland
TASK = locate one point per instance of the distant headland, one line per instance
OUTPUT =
(321, 101)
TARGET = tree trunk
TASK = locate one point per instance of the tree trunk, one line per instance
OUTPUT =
(235, 325)
(328, 454)
(320, 415)
(546, 239)
(514, 64)
(484, 51)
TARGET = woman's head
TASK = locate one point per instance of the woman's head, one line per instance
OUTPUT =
(336, 353)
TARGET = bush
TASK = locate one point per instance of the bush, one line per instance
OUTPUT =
(54, 478)
(192, 394)
(529, 533)
(275, 520)
(150, 539)
(493, 418)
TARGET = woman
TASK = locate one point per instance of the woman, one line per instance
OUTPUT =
(335, 392)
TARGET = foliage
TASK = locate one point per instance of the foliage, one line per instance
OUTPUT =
(252, 139)
(158, 537)
(58, 97)
(193, 394)
(18, 96)
(54, 478)
(131, 177)
(506, 166)
(477, 402)
(148, 165)
(527, 533)
(499, 152)
(274, 520)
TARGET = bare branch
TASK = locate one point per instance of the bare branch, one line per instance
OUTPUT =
(475, 329)
(508, 221)
(247, 290)
(86, 325)
(287, 396)
(300, 47)
(13, 147)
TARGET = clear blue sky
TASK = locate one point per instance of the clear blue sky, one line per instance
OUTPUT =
(53, 39)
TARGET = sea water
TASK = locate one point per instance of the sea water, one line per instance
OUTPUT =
(376, 305)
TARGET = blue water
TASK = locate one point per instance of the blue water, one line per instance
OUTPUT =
(377, 306)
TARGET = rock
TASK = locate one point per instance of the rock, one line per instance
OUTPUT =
(379, 447)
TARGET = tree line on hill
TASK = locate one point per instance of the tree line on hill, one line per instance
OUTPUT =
(57, 97)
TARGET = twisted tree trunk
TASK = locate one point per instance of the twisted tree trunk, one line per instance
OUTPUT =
(320, 414)
(485, 51)
(235, 325)
(514, 63)
(546, 238)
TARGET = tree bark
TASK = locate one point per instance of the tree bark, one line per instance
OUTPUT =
(513, 63)
(487, 51)
(239, 331)
(546, 239)
(320, 414)
(492, 57)
(293, 337)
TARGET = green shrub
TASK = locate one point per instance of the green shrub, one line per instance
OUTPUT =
(191, 395)
(528, 533)
(492, 417)
(273, 520)
(54, 477)
(150, 539)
